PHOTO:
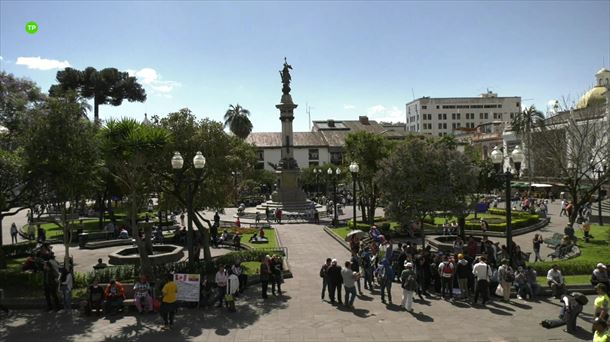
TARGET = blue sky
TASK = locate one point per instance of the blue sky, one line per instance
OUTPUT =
(349, 58)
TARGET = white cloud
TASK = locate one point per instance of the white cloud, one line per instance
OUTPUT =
(381, 113)
(151, 79)
(1, 58)
(42, 63)
(349, 107)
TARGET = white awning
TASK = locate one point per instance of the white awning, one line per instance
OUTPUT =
(539, 185)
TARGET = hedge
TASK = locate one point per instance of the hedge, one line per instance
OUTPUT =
(18, 250)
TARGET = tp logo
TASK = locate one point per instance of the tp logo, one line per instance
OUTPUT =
(31, 27)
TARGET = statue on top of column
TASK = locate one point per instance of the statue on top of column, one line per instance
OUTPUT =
(285, 74)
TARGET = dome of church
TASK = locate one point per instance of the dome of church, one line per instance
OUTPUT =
(594, 97)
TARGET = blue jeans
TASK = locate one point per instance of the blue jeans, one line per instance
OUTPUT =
(387, 285)
(67, 298)
(350, 295)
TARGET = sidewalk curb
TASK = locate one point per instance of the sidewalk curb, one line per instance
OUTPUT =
(332, 234)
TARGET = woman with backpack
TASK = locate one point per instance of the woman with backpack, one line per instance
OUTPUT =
(506, 275)
(409, 285)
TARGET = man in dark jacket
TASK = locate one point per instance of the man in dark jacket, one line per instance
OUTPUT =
(334, 281)
(463, 272)
(324, 276)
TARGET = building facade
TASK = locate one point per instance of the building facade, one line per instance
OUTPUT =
(444, 116)
(324, 144)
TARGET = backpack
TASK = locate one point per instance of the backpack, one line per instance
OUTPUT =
(410, 283)
(447, 268)
(580, 298)
(509, 276)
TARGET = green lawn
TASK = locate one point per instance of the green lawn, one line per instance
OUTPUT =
(570, 280)
(251, 267)
(341, 231)
(269, 234)
(592, 252)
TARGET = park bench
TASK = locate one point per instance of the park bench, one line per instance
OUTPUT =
(129, 294)
(554, 241)
(228, 242)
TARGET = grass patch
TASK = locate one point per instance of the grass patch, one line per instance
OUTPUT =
(592, 252)
(269, 234)
(251, 267)
(580, 279)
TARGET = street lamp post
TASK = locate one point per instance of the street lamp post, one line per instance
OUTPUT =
(199, 163)
(334, 176)
(354, 169)
(497, 158)
(316, 173)
(600, 170)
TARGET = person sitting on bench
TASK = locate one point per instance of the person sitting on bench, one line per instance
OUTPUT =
(114, 295)
(95, 297)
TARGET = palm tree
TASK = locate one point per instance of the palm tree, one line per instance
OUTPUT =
(236, 118)
(523, 124)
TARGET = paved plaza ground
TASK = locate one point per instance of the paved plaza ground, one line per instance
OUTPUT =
(300, 315)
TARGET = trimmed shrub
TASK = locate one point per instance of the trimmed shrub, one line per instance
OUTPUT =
(18, 250)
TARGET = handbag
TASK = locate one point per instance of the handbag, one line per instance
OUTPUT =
(499, 291)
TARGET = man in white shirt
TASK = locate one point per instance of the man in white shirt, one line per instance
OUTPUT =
(221, 282)
(349, 283)
(482, 273)
(555, 280)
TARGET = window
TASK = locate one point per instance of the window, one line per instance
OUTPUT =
(452, 116)
(483, 116)
(486, 115)
(449, 107)
(313, 154)
(336, 158)
(437, 107)
(440, 116)
(499, 106)
(260, 155)
(440, 125)
(459, 116)
(517, 104)
(424, 107)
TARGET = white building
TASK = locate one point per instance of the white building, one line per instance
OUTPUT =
(442, 116)
(324, 144)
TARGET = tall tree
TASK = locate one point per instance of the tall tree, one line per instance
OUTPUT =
(129, 149)
(60, 154)
(19, 100)
(106, 86)
(421, 177)
(577, 143)
(368, 150)
(223, 153)
(523, 123)
(238, 121)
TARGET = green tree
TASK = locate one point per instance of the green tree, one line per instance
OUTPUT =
(129, 149)
(368, 150)
(19, 100)
(238, 121)
(524, 123)
(106, 86)
(61, 156)
(223, 153)
(421, 177)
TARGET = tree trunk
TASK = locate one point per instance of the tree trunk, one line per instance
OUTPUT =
(205, 236)
(363, 209)
(67, 234)
(1, 218)
(423, 234)
(145, 267)
(101, 200)
(96, 110)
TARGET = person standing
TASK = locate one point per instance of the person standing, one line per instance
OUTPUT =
(169, 294)
(387, 277)
(324, 276)
(355, 262)
(66, 284)
(446, 270)
(349, 282)
(600, 327)
(367, 267)
(602, 302)
(51, 283)
(182, 218)
(221, 283)
(463, 273)
(277, 272)
(265, 274)
(536, 243)
(334, 282)
(563, 208)
(506, 276)
(14, 233)
(408, 282)
(238, 270)
(482, 273)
